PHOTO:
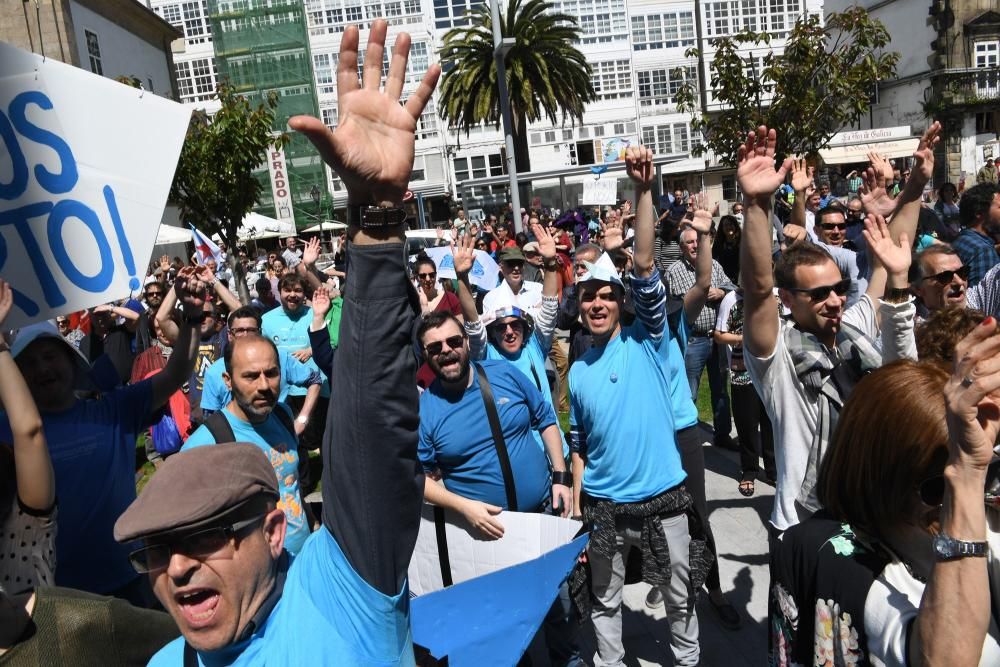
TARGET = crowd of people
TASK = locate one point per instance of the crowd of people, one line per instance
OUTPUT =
(852, 343)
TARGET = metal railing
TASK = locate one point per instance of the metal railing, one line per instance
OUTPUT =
(972, 85)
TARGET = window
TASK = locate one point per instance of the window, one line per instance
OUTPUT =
(418, 62)
(427, 124)
(171, 14)
(196, 27)
(550, 137)
(624, 129)
(497, 166)
(663, 31)
(659, 87)
(479, 166)
(323, 68)
(325, 17)
(730, 189)
(598, 130)
(452, 13)
(461, 169)
(94, 52)
(987, 55)
(668, 139)
(727, 17)
(184, 84)
(418, 169)
(612, 79)
(330, 117)
(567, 135)
(600, 21)
(196, 79)
(536, 137)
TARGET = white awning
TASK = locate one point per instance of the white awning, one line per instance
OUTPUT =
(326, 226)
(891, 148)
(168, 234)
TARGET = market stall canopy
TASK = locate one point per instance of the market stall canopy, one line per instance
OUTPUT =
(168, 234)
(327, 226)
(257, 226)
(854, 146)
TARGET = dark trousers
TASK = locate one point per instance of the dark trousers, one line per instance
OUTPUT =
(754, 429)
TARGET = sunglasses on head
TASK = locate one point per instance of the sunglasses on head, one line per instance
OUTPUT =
(435, 348)
(821, 293)
(830, 226)
(945, 277)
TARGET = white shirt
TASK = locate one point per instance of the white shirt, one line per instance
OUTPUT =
(529, 299)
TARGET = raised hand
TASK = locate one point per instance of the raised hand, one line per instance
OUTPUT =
(923, 167)
(464, 254)
(895, 257)
(164, 263)
(614, 235)
(701, 216)
(546, 244)
(191, 289)
(310, 253)
(794, 233)
(755, 169)
(372, 148)
(639, 165)
(971, 397)
(6, 301)
(321, 302)
(802, 175)
(873, 193)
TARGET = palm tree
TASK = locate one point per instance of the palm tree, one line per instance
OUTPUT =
(546, 74)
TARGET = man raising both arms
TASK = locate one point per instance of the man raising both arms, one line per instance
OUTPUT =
(213, 537)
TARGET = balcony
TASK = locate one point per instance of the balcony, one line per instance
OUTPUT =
(969, 87)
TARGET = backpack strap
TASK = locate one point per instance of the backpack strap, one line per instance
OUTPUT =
(219, 427)
(498, 439)
(190, 655)
(441, 536)
(285, 418)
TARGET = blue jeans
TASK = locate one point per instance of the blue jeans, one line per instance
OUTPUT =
(701, 352)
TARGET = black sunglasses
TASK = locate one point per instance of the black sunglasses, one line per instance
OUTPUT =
(830, 226)
(435, 348)
(149, 294)
(501, 327)
(821, 293)
(202, 543)
(931, 490)
(426, 276)
(945, 277)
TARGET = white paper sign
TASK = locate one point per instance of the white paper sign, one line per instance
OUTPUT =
(600, 191)
(526, 536)
(85, 169)
(484, 273)
(280, 190)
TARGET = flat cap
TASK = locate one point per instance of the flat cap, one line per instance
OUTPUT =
(196, 488)
(511, 254)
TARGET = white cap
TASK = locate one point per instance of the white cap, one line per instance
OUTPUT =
(603, 270)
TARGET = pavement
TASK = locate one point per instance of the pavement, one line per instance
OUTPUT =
(741, 539)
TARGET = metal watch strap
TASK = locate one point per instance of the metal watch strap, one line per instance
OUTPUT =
(371, 217)
(948, 548)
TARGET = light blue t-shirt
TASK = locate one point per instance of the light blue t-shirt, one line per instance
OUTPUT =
(92, 446)
(291, 334)
(327, 615)
(455, 437)
(685, 411)
(620, 397)
(281, 449)
(215, 395)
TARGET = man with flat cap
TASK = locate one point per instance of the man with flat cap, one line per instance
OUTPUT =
(212, 533)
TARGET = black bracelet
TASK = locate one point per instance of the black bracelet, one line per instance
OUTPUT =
(195, 319)
(562, 478)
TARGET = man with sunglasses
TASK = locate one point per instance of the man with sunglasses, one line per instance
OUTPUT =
(806, 366)
(940, 280)
(153, 296)
(236, 595)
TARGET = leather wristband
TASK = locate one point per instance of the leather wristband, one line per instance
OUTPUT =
(195, 319)
(562, 479)
(374, 217)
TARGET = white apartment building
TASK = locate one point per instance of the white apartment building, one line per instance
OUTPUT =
(637, 49)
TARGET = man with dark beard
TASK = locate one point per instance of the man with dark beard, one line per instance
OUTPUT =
(253, 376)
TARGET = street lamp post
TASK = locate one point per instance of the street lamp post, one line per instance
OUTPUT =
(501, 47)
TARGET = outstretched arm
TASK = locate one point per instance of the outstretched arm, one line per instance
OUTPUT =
(639, 166)
(36, 483)
(701, 222)
(191, 289)
(802, 180)
(305, 268)
(372, 495)
(464, 256)
(758, 180)
(907, 212)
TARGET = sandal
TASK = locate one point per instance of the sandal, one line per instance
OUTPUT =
(747, 485)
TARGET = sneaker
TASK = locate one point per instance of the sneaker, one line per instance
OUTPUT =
(654, 598)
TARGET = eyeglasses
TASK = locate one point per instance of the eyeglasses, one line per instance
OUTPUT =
(200, 544)
(435, 348)
(151, 294)
(426, 276)
(821, 293)
(830, 226)
(243, 331)
(501, 327)
(945, 277)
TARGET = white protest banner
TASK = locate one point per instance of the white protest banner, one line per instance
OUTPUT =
(484, 273)
(525, 537)
(85, 171)
(600, 191)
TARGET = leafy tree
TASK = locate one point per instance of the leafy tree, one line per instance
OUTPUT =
(214, 185)
(546, 74)
(820, 84)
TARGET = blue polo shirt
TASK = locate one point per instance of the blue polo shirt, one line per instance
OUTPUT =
(455, 437)
(281, 449)
(620, 397)
(215, 395)
(291, 333)
(92, 446)
(327, 615)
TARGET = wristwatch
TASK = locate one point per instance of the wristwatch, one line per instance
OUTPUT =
(374, 217)
(948, 548)
(302, 419)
